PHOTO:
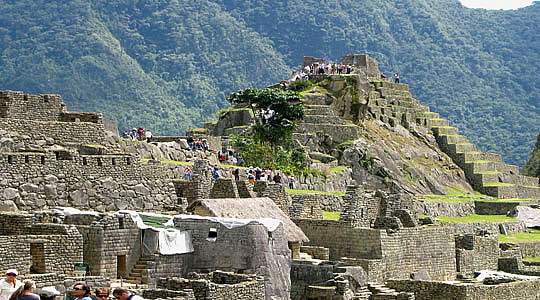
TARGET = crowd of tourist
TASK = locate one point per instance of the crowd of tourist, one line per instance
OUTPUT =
(13, 289)
(138, 134)
(197, 144)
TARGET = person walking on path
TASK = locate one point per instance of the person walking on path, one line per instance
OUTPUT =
(9, 284)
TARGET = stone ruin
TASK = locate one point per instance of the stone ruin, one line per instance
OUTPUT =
(242, 240)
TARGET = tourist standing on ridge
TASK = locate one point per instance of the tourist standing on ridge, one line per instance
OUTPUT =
(24, 292)
(396, 78)
(81, 291)
(123, 294)
(148, 135)
(9, 284)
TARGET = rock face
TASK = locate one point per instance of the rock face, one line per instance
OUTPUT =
(394, 158)
(529, 215)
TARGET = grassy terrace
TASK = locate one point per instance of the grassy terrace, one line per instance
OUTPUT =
(524, 237)
(477, 219)
(331, 215)
(303, 192)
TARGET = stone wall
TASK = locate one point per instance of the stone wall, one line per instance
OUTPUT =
(43, 248)
(101, 182)
(220, 286)
(520, 290)
(446, 209)
(246, 249)
(167, 294)
(325, 280)
(109, 241)
(403, 252)
(413, 249)
(18, 105)
(499, 207)
(493, 228)
(305, 206)
(476, 253)
(61, 132)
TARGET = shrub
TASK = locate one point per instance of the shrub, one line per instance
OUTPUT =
(300, 85)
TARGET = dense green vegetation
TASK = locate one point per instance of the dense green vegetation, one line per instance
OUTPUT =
(532, 167)
(169, 65)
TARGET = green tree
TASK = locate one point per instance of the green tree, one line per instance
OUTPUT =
(277, 126)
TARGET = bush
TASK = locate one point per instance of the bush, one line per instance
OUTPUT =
(300, 85)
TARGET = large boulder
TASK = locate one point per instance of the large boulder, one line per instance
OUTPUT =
(530, 216)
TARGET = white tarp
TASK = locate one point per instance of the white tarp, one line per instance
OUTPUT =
(229, 223)
(170, 240)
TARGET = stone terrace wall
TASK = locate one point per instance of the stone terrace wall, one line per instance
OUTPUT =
(412, 249)
(520, 290)
(61, 132)
(222, 286)
(106, 182)
(342, 240)
(305, 206)
(446, 209)
(247, 249)
(167, 294)
(493, 228)
(32, 107)
(403, 252)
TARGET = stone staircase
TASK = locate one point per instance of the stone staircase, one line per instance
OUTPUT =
(393, 104)
(320, 118)
(382, 292)
(139, 272)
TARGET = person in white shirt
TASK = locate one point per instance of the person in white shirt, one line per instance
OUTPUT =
(9, 284)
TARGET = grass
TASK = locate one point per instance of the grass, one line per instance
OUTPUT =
(304, 192)
(331, 215)
(338, 169)
(532, 259)
(454, 195)
(477, 219)
(523, 237)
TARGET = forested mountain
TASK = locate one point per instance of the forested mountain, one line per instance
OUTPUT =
(168, 65)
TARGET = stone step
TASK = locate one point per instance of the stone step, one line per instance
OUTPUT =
(500, 190)
(507, 169)
(476, 155)
(340, 133)
(518, 179)
(482, 178)
(437, 123)
(461, 148)
(322, 119)
(318, 110)
(444, 130)
(528, 192)
(479, 166)
(431, 115)
(310, 99)
(393, 86)
(390, 92)
(452, 139)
